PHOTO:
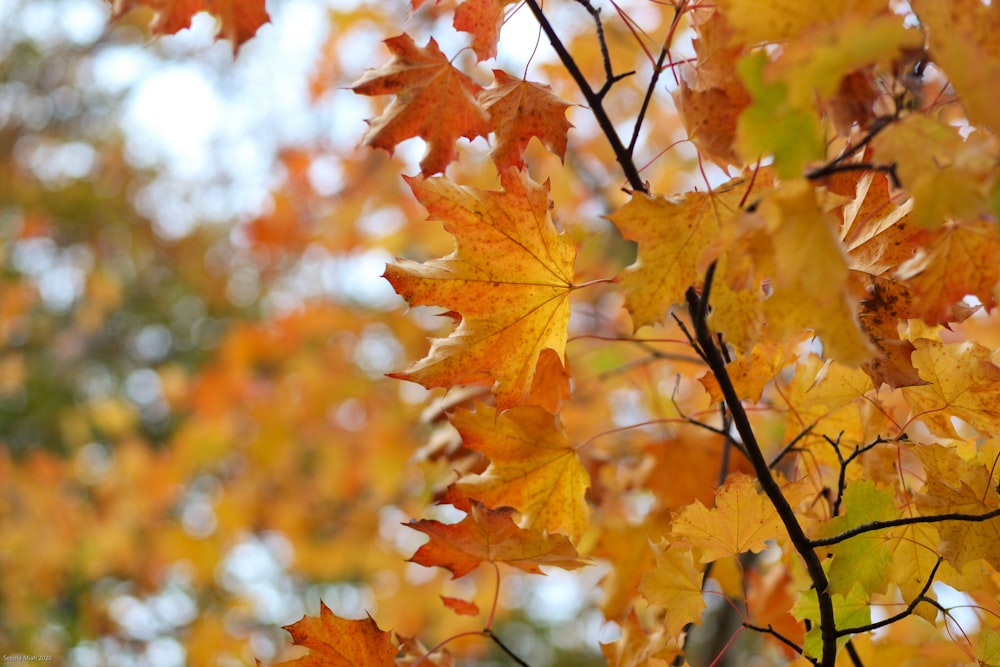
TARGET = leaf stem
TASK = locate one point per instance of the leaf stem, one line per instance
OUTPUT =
(496, 597)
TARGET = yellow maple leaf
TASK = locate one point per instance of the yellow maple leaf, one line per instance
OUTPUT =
(675, 585)
(965, 487)
(753, 21)
(949, 176)
(434, 101)
(509, 279)
(963, 40)
(742, 520)
(810, 274)
(672, 235)
(533, 467)
(962, 382)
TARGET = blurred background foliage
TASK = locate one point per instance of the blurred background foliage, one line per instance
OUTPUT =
(197, 441)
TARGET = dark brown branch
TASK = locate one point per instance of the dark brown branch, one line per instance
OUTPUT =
(853, 653)
(906, 521)
(713, 357)
(769, 630)
(594, 101)
(832, 168)
(506, 649)
(647, 99)
(842, 478)
(791, 445)
(901, 615)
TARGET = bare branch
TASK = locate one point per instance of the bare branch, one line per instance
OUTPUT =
(594, 101)
(906, 521)
(901, 615)
(697, 306)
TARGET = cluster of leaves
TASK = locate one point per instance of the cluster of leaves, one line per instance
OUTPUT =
(776, 389)
(823, 291)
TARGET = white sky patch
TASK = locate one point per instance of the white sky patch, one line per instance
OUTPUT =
(171, 117)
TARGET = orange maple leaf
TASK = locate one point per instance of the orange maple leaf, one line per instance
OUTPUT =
(491, 535)
(520, 110)
(483, 19)
(434, 101)
(533, 467)
(963, 259)
(509, 278)
(239, 19)
(460, 606)
(339, 642)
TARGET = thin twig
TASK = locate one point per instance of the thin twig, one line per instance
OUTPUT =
(769, 630)
(853, 653)
(791, 445)
(906, 521)
(506, 649)
(830, 169)
(901, 615)
(622, 154)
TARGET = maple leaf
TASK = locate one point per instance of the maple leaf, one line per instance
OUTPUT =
(675, 585)
(491, 535)
(434, 101)
(876, 232)
(239, 19)
(460, 607)
(338, 642)
(851, 610)
(966, 487)
(773, 125)
(520, 110)
(509, 278)
(962, 382)
(949, 176)
(863, 559)
(779, 20)
(483, 19)
(884, 305)
(963, 259)
(638, 648)
(742, 520)
(533, 467)
(810, 273)
(672, 235)
(963, 42)
(711, 97)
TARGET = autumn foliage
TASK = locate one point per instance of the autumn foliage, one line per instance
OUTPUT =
(710, 296)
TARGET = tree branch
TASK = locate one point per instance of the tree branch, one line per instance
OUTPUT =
(901, 615)
(506, 649)
(769, 630)
(697, 307)
(906, 521)
(622, 154)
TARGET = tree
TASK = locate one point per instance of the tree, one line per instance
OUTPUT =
(735, 343)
